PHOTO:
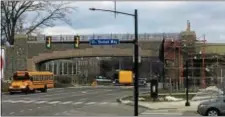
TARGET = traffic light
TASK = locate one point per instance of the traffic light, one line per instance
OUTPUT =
(76, 41)
(48, 42)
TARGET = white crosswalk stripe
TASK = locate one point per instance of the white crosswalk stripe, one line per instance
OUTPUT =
(7, 101)
(18, 101)
(28, 101)
(54, 102)
(102, 103)
(40, 102)
(76, 103)
(68, 102)
(115, 103)
(60, 102)
(89, 103)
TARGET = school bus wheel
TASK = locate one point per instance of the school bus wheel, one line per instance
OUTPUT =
(33, 91)
(27, 90)
(11, 93)
(44, 89)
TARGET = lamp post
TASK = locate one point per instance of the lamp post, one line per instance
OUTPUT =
(136, 52)
(186, 50)
(187, 103)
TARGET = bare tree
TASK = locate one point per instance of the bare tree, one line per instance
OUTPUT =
(41, 14)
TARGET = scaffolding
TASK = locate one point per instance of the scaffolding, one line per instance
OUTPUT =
(205, 69)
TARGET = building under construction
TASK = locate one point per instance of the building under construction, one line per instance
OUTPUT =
(206, 62)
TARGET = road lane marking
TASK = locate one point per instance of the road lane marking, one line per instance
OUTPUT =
(89, 103)
(28, 101)
(108, 90)
(67, 102)
(103, 103)
(19, 101)
(83, 99)
(54, 102)
(30, 109)
(38, 107)
(11, 113)
(77, 103)
(40, 102)
(114, 103)
(21, 111)
(64, 112)
(7, 101)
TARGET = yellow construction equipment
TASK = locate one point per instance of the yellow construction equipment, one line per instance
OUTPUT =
(94, 83)
(125, 77)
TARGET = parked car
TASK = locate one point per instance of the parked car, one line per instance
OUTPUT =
(213, 107)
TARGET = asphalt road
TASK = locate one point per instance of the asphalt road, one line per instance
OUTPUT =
(69, 102)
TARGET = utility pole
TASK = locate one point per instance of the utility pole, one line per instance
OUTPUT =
(136, 52)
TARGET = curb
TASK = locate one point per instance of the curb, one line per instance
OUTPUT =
(131, 103)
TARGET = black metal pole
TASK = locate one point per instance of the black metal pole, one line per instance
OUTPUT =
(187, 85)
(136, 54)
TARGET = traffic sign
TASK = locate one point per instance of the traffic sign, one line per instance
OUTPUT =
(104, 41)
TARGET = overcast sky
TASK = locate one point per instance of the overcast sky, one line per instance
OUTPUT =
(154, 17)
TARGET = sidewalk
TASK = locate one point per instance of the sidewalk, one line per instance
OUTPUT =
(178, 106)
(171, 105)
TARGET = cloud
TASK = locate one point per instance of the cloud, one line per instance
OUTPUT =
(66, 30)
(153, 17)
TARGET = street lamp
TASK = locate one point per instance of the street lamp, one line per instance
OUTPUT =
(136, 52)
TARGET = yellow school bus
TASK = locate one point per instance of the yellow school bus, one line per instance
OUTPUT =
(27, 82)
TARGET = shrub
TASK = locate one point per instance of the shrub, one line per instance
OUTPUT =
(5, 86)
(63, 79)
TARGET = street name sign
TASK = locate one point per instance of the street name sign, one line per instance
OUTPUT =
(104, 41)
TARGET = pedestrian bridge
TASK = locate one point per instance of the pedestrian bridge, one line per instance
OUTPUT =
(36, 52)
(88, 52)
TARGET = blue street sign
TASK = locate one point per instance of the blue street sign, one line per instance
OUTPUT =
(104, 41)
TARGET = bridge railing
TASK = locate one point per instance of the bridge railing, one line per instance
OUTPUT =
(142, 37)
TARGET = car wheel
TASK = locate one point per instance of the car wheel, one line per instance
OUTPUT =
(212, 112)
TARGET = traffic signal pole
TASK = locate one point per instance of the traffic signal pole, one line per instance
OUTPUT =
(136, 65)
(136, 52)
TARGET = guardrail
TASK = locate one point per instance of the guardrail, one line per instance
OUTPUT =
(142, 37)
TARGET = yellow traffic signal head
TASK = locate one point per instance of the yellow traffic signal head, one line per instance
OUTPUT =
(76, 41)
(48, 42)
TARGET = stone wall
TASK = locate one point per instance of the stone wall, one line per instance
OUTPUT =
(16, 56)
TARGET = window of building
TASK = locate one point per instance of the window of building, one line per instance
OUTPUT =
(60, 67)
(65, 67)
(74, 68)
(50, 66)
(55, 67)
(69, 68)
